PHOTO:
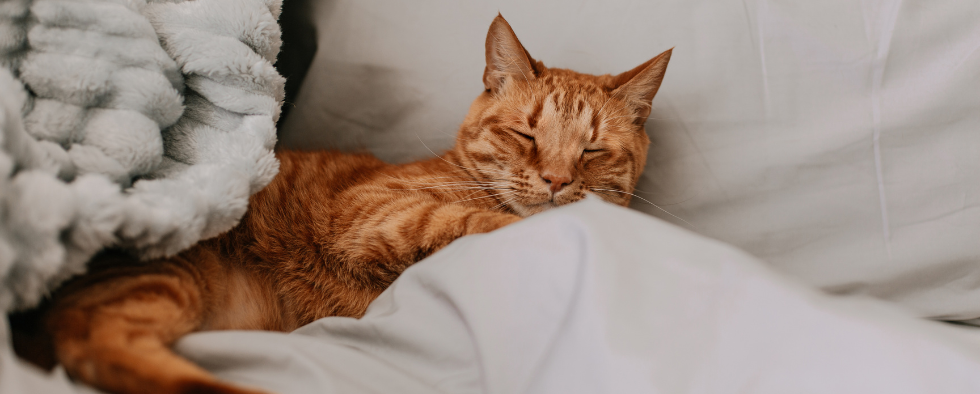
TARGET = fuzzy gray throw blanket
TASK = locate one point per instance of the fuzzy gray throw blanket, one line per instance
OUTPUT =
(130, 123)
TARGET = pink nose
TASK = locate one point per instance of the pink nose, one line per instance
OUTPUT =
(555, 182)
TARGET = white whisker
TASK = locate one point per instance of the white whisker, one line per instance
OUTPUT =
(449, 182)
(447, 161)
(648, 201)
(454, 189)
(468, 181)
(504, 203)
(488, 196)
(461, 183)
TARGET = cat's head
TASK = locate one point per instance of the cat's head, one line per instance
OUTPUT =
(545, 137)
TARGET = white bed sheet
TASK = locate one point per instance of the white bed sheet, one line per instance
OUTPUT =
(590, 298)
(838, 140)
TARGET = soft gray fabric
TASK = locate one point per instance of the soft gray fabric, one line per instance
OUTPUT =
(127, 123)
(836, 140)
(592, 298)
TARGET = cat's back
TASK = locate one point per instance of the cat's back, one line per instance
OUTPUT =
(304, 192)
(322, 170)
(310, 178)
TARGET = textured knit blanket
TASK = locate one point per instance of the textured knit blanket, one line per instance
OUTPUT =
(137, 124)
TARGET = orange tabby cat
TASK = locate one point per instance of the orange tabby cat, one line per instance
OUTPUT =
(333, 230)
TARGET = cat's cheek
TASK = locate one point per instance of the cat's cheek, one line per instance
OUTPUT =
(610, 199)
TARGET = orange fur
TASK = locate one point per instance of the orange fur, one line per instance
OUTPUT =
(333, 230)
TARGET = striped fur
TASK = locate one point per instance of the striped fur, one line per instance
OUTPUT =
(333, 230)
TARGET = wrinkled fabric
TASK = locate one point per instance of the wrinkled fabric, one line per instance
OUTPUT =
(593, 298)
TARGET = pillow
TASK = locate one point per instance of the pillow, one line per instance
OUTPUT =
(836, 140)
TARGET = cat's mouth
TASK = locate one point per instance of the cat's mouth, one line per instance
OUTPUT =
(528, 209)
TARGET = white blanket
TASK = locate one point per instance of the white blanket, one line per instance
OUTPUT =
(590, 298)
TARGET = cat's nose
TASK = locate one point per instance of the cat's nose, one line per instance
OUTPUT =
(555, 182)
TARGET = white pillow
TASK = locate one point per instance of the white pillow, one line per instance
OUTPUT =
(837, 140)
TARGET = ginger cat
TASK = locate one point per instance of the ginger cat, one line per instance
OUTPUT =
(333, 230)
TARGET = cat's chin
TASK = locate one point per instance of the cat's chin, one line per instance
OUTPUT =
(523, 210)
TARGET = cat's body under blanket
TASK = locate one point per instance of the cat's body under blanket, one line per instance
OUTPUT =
(333, 230)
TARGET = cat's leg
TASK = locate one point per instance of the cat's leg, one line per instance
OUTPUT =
(408, 226)
(113, 329)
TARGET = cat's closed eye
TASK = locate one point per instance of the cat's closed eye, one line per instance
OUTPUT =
(590, 152)
(527, 137)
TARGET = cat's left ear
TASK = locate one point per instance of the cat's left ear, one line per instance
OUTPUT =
(506, 57)
(638, 86)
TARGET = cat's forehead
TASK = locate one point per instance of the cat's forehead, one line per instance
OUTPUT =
(568, 97)
(560, 100)
(571, 84)
(560, 94)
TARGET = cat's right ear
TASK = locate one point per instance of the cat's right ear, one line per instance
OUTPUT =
(506, 57)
